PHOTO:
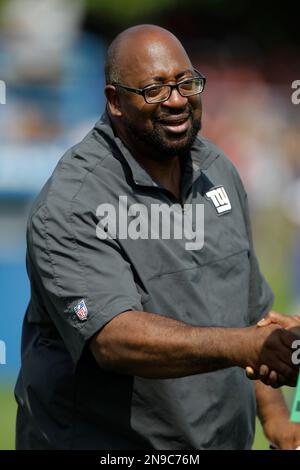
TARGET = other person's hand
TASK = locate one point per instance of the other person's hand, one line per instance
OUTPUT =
(282, 433)
(269, 350)
(285, 321)
(267, 376)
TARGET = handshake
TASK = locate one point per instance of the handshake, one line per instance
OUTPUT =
(276, 361)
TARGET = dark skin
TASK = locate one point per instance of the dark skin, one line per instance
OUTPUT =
(152, 63)
(291, 323)
(151, 345)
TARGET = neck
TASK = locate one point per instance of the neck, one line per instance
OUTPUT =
(165, 172)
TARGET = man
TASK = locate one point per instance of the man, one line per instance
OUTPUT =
(140, 342)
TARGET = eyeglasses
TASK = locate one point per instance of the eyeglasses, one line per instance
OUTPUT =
(159, 93)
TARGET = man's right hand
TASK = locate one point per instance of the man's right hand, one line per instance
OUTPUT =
(150, 345)
(264, 373)
(269, 349)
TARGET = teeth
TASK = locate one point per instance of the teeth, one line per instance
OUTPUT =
(176, 123)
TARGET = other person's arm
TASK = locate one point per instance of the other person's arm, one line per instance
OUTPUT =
(274, 417)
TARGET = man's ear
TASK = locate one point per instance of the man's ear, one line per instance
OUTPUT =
(113, 101)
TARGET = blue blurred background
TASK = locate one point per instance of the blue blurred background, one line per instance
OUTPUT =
(52, 54)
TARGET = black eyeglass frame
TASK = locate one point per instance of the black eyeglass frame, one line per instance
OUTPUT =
(142, 91)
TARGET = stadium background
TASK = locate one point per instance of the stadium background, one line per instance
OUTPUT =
(51, 59)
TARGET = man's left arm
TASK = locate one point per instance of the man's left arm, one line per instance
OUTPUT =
(274, 417)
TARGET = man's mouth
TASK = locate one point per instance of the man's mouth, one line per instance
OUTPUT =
(176, 124)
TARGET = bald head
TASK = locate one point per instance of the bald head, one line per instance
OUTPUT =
(137, 44)
(151, 58)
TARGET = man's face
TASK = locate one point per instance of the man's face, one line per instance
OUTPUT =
(168, 128)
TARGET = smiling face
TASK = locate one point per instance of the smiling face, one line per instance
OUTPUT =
(152, 56)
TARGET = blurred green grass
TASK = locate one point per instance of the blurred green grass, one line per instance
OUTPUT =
(8, 410)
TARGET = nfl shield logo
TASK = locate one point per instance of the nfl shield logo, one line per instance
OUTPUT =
(81, 310)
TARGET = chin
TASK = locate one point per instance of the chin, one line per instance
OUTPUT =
(173, 149)
(180, 140)
(177, 144)
(165, 145)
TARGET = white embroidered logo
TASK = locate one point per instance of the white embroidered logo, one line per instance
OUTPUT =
(220, 200)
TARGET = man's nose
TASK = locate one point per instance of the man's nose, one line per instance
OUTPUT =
(175, 100)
